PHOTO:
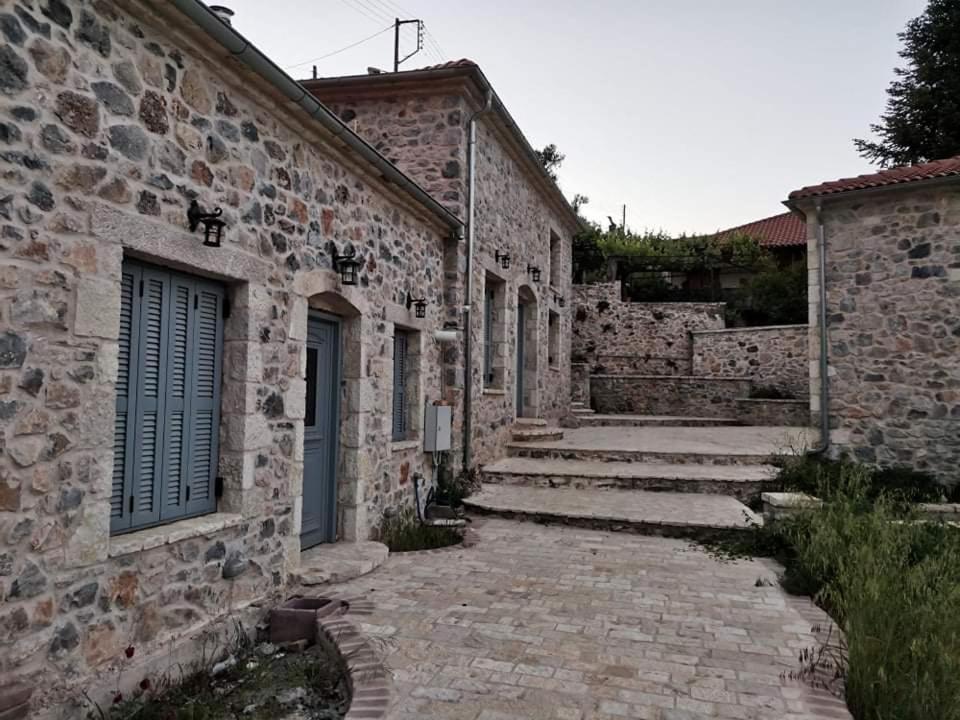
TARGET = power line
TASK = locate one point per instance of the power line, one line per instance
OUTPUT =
(365, 13)
(375, 10)
(343, 49)
(391, 6)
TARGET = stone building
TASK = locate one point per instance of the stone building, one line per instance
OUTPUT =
(520, 328)
(177, 420)
(884, 266)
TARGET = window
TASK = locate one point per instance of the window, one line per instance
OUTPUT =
(494, 331)
(556, 260)
(553, 340)
(401, 364)
(168, 397)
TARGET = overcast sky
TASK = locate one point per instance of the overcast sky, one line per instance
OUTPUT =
(697, 114)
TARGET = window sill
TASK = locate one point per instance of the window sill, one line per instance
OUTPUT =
(404, 445)
(555, 368)
(494, 391)
(174, 532)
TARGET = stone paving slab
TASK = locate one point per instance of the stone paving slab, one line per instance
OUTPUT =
(556, 623)
(636, 508)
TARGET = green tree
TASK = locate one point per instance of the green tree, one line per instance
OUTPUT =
(922, 118)
(551, 159)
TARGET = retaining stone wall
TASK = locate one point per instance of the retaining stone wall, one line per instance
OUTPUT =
(580, 383)
(754, 411)
(773, 356)
(655, 395)
(111, 120)
(652, 338)
(893, 308)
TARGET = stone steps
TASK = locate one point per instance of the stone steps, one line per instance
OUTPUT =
(541, 450)
(686, 515)
(532, 422)
(740, 481)
(581, 411)
(597, 420)
(533, 434)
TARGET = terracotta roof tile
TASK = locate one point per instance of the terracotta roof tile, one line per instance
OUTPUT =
(462, 62)
(784, 230)
(893, 176)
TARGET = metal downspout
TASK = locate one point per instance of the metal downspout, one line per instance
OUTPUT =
(468, 284)
(824, 359)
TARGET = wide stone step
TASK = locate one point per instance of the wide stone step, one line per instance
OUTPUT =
(533, 422)
(533, 434)
(581, 411)
(689, 515)
(672, 445)
(598, 420)
(740, 481)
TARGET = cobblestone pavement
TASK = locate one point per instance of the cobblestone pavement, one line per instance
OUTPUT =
(558, 623)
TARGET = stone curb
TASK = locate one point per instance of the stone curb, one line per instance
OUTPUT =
(470, 538)
(368, 678)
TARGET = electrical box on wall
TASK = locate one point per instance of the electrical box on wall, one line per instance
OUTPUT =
(436, 428)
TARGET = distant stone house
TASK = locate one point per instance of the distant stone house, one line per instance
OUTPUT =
(783, 236)
(884, 267)
(521, 325)
(178, 421)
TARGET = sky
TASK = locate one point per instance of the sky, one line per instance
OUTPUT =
(698, 115)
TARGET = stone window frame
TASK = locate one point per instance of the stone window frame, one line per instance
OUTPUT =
(498, 332)
(413, 384)
(556, 260)
(553, 340)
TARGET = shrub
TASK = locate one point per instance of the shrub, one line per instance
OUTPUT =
(403, 533)
(893, 586)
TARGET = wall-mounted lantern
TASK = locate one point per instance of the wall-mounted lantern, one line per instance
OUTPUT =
(419, 303)
(534, 271)
(346, 264)
(503, 259)
(212, 224)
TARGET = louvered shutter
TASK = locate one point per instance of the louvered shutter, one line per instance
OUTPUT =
(488, 337)
(123, 448)
(400, 413)
(144, 483)
(168, 397)
(204, 399)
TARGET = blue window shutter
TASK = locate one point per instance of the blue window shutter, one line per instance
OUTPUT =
(400, 410)
(488, 337)
(144, 483)
(203, 426)
(123, 441)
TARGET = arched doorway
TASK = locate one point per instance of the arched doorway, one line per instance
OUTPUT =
(527, 353)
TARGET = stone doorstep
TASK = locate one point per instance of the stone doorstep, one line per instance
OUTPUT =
(533, 434)
(607, 420)
(532, 422)
(339, 562)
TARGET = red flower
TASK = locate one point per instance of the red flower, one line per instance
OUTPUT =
(129, 651)
(145, 684)
(118, 698)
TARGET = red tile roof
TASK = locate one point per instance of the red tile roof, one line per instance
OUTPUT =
(785, 230)
(893, 176)
(462, 62)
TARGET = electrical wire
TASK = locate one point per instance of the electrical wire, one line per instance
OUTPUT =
(350, 4)
(343, 49)
(430, 42)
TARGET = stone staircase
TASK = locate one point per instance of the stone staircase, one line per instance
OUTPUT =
(669, 475)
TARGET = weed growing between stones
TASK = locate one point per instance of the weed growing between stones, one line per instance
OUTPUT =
(889, 580)
(260, 682)
(403, 533)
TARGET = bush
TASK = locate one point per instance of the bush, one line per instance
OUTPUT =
(403, 533)
(893, 586)
(822, 477)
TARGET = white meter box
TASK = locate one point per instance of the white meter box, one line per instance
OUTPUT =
(436, 428)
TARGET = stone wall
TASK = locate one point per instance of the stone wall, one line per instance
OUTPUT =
(580, 383)
(112, 119)
(774, 356)
(658, 395)
(893, 310)
(755, 411)
(649, 338)
(423, 128)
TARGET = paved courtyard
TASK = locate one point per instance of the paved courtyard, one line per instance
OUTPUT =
(559, 623)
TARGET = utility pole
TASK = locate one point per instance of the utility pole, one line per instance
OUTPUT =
(397, 60)
(624, 225)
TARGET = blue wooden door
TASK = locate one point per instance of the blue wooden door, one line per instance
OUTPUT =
(321, 432)
(521, 325)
